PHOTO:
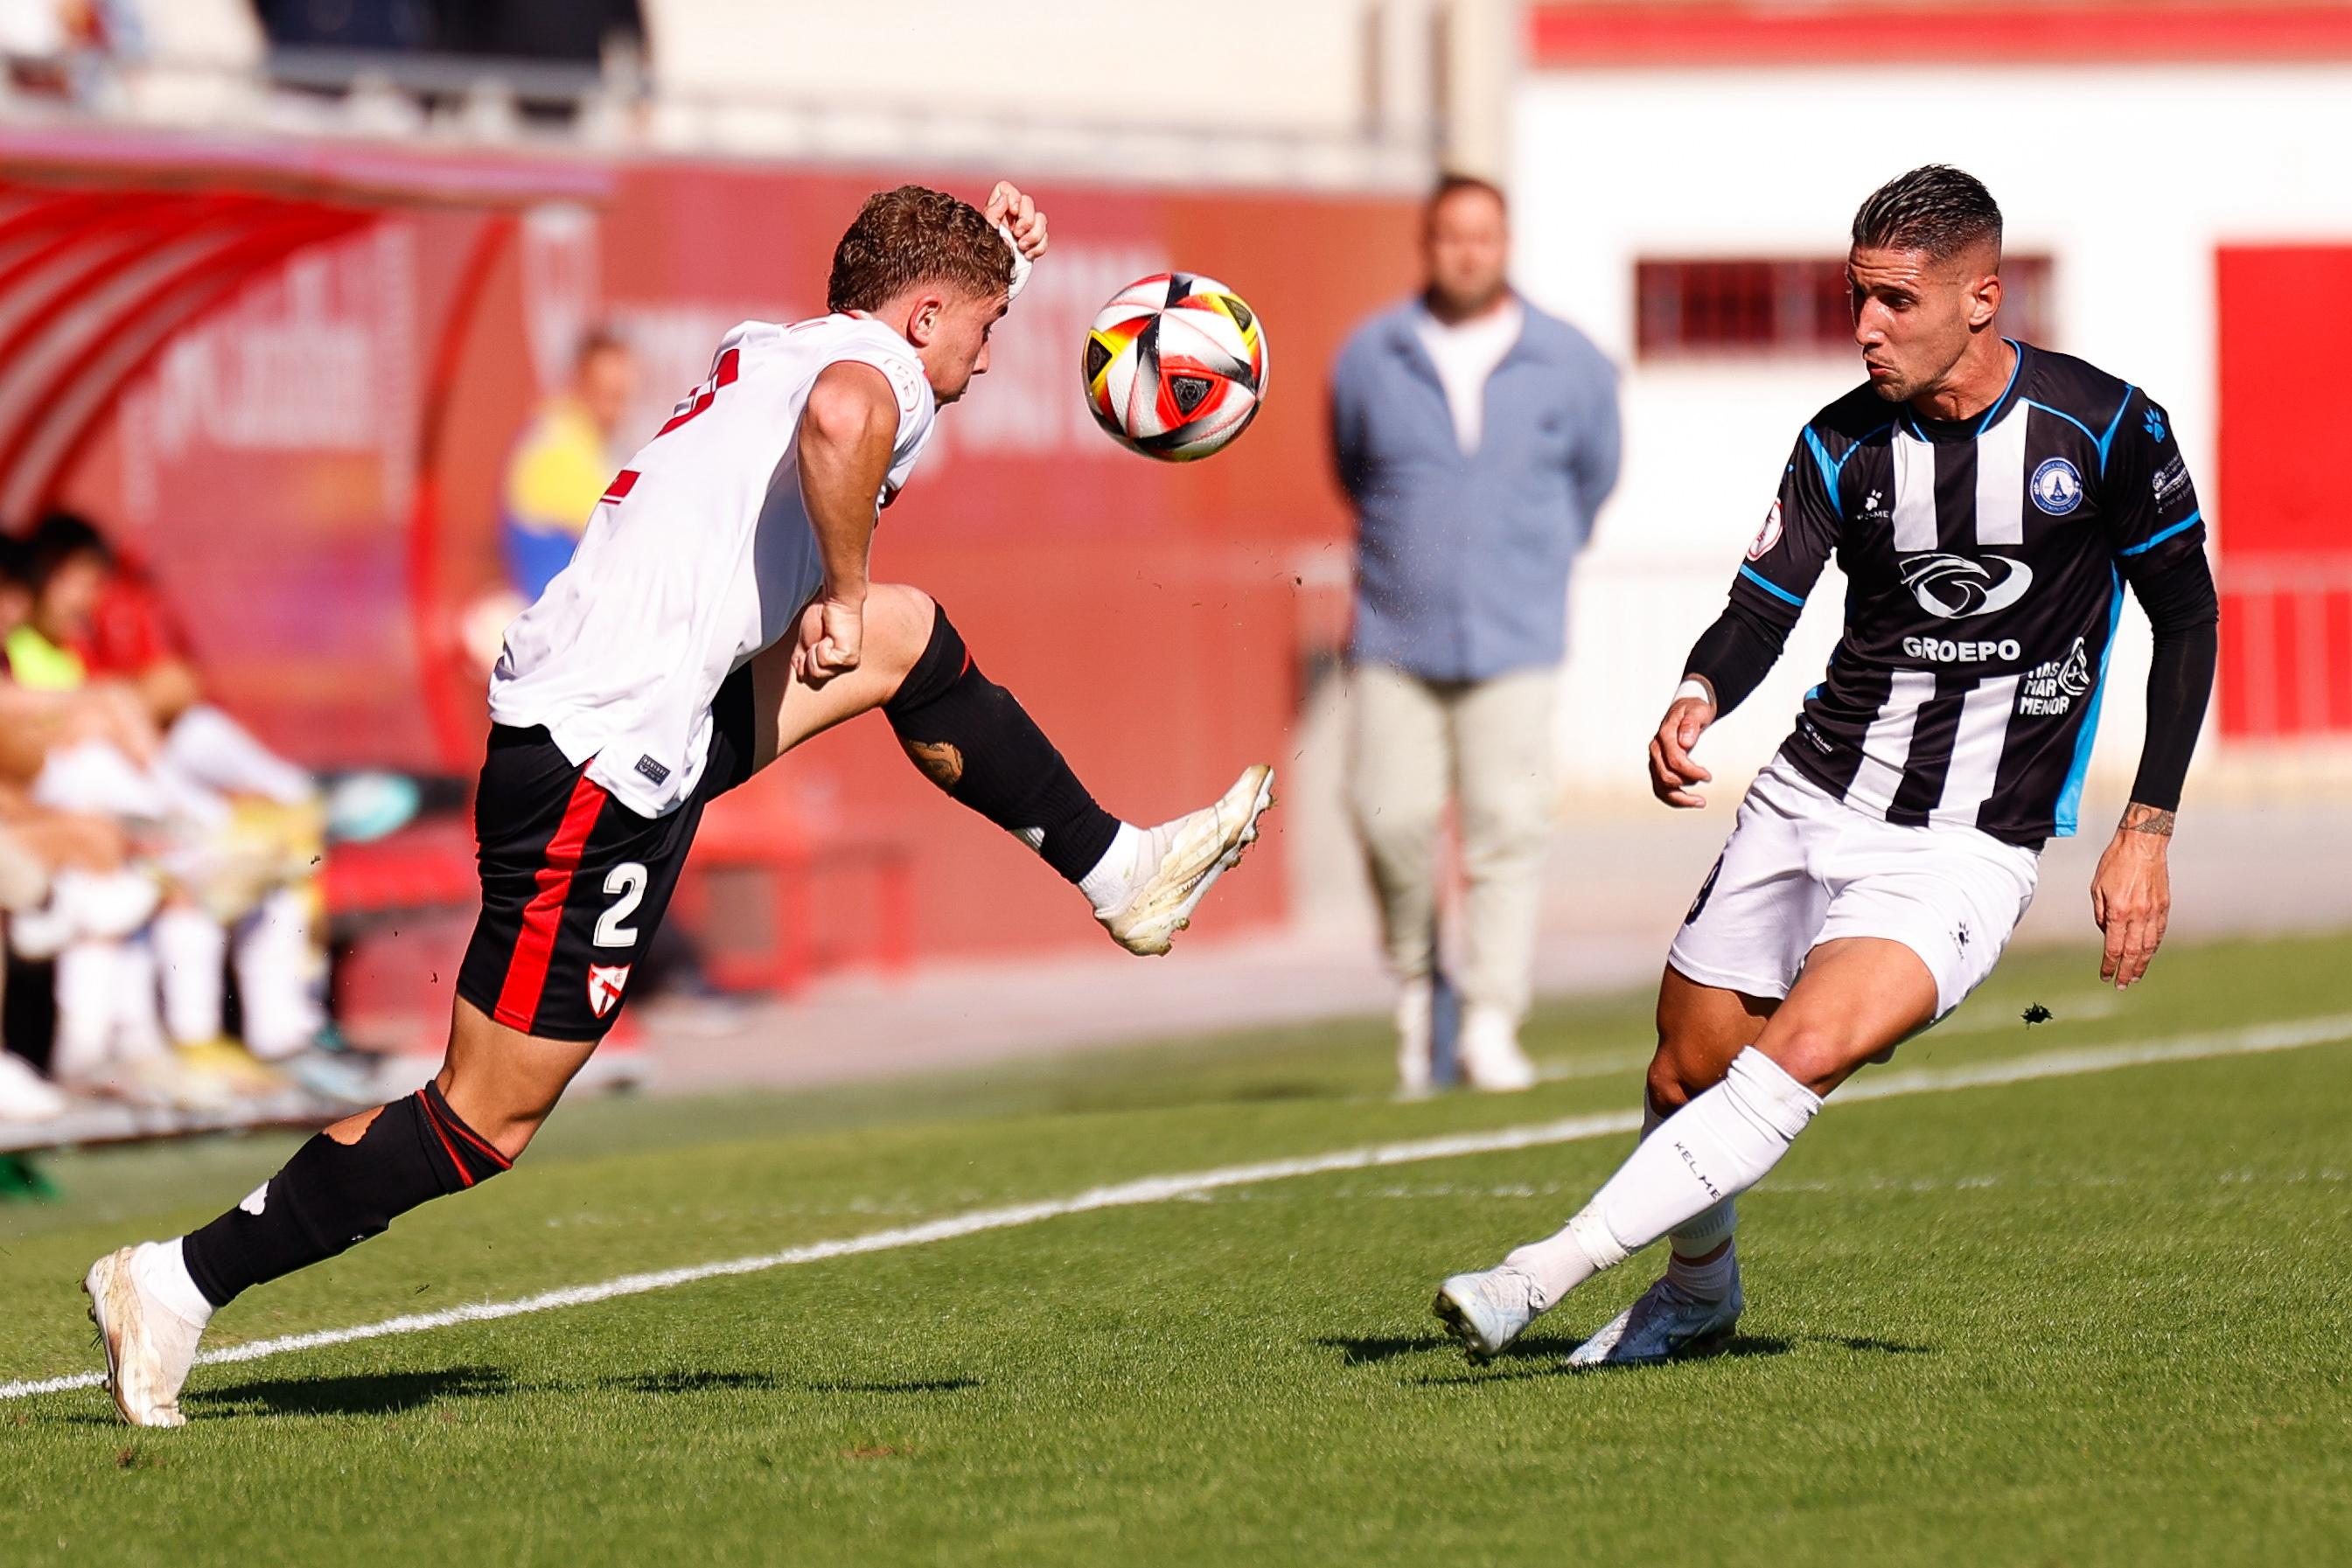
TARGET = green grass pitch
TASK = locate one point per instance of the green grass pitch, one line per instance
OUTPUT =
(2099, 1318)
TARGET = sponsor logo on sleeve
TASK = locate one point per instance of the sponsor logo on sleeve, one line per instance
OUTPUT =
(2169, 480)
(1767, 535)
(2057, 487)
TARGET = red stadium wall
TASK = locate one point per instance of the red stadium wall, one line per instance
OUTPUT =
(2286, 554)
(1154, 618)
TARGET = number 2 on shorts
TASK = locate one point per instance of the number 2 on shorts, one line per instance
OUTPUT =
(629, 879)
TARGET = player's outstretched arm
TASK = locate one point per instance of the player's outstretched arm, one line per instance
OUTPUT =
(843, 446)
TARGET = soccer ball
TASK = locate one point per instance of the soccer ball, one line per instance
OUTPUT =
(1175, 366)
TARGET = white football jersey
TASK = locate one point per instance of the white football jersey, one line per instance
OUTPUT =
(699, 555)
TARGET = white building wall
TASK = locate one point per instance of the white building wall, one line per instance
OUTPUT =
(2128, 176)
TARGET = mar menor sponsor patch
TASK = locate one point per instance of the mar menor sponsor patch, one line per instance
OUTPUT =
(1767, 535)
(2051, 687)
(2057, 487)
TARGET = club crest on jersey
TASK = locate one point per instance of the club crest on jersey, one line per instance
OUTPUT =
(1953, 587)
(605, 983)
(2057, 487)
(1767, 535)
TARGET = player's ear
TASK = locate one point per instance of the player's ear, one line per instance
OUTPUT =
(1984, 301)
(923, 320)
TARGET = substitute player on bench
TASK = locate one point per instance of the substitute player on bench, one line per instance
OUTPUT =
(718, 613)
(1988, 501)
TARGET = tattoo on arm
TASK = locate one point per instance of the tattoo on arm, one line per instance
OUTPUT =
(2139, 819)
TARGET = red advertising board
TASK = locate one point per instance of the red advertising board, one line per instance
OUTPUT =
(2286, 555)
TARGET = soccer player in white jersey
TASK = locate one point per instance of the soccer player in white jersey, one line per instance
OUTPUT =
(718, 612)
(1988, 500)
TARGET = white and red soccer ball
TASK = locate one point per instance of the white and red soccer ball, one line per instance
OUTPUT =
(1175, 366)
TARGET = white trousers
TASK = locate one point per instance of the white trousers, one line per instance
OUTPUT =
(1488, 746)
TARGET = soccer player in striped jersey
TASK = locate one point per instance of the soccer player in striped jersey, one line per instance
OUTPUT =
(718, 612)
(1988, 501)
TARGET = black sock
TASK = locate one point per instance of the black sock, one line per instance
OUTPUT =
(975, 741)
(333, 1195)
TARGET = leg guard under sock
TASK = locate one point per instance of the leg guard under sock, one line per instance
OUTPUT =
(1716, 1147)
(333, 1194)
(1703, 1235)
(975, 741)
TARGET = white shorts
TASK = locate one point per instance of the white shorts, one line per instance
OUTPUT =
(1802, 868)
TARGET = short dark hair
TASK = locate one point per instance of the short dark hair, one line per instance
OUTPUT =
(60, 537)
(15, 569)
(1453, 182)
(1934, 208)
(910, 237)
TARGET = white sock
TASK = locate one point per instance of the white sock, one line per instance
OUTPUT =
(1109, 884)
(1716, 1147)
(190, 949)
(163, 1273)
(1711, 1229)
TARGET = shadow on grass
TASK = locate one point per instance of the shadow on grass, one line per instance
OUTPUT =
(382, 1394)
(907, 1385)
(675, 1381)
(1366, 1350)
(1550, 1358)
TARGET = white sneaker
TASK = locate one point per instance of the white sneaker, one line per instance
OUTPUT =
(1178, 862)
(1491, 1058)
(149, 1346)
(1668, 1323)
(1488, 1310)
(25, 1095)
(1415, 1025)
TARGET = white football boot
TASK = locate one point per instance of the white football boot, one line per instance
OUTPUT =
(150, 1345)
(1487, 1310)
(1667, 1324)
(1176, 864)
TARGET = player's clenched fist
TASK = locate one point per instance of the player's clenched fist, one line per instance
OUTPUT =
(1673, 769)
(1008, 205)
(832, 641)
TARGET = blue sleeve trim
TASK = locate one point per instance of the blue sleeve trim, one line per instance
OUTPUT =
(2110, 436)
(2068, 815)
(2182, 527)
(1829, 470)
(1771, 587)
(2071, 420)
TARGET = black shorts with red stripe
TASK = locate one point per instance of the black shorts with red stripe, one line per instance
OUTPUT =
(573, 881)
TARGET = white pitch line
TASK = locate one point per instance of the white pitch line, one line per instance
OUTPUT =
(2286, 1036)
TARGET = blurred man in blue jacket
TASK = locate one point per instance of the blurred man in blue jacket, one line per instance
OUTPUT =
(1477, 438)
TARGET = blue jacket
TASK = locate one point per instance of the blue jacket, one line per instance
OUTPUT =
(1462, 562)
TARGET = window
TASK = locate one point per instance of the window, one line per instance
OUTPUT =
(1758, 307)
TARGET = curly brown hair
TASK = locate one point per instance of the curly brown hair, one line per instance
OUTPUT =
(915, 235)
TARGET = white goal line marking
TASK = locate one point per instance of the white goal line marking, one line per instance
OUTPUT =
(2289, 1035)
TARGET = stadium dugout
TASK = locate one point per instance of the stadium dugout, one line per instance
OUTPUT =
(115, 242)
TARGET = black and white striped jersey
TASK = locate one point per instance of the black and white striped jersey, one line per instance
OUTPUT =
(1985, 560)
